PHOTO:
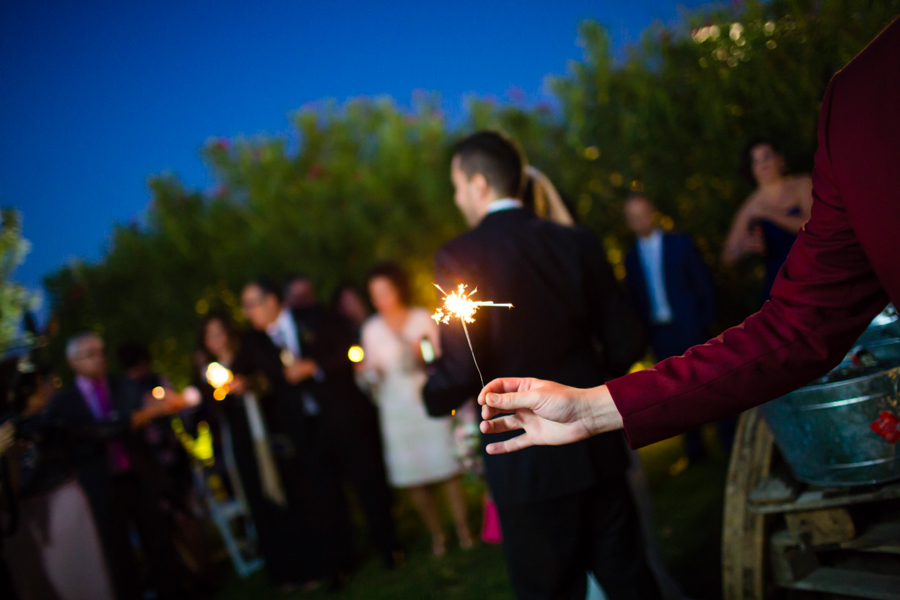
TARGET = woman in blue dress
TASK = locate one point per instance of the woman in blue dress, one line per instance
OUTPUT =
(769, 219)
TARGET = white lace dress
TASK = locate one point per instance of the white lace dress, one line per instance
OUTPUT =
(418, 449)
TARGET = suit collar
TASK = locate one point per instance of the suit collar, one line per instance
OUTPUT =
(510, 215)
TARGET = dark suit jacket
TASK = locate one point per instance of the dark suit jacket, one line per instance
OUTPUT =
(689, 287)
(841, 271)
(325, 337)
(567, 301)
(89, 440)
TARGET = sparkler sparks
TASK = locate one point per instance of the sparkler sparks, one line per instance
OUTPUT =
(461, 306)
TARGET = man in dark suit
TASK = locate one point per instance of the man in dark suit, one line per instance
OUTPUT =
(567, 303)
(673, 289)
(669, 281)
(316, 403)
(118, 472)
(841, 272)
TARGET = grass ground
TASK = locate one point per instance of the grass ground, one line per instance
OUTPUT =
(688, 519)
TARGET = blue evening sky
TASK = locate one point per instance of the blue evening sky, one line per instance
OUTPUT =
(97, 96)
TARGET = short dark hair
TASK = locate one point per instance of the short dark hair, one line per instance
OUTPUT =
(342, 287)
(267, 286)
(132, 355)
(496, 158)
(396, 275)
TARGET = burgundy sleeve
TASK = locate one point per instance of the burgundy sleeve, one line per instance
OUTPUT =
(824, 297)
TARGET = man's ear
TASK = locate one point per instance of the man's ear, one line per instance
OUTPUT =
(480, 185)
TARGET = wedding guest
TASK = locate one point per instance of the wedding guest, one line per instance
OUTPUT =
(299, 291)
(769, 219)
(333, 426)
(54, 550)
(673, 288)
(115, 468)
(563, 511)
(261, 473)
(349, 303)
(419, 450)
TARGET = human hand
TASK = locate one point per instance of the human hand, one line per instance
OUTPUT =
(754, 242)
(7, 436)
(172, 402)
(238, 385)
(300, 370)
(551, 414)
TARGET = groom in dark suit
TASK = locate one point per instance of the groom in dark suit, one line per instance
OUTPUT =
(564, 511)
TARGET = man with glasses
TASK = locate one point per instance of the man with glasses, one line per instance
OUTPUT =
(118, 473)
(315, 404)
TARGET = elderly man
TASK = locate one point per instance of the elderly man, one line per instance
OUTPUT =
(120, 479)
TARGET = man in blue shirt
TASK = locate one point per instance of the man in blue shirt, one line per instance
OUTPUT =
(672, 287)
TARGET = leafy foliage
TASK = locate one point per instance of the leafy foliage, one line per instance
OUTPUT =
(369, 182)
(15, 300)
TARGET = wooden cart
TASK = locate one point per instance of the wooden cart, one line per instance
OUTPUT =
(785, 539)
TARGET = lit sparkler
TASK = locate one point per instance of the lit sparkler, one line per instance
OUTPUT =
(460, 305)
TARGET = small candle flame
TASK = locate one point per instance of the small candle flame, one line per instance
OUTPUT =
(356, 354)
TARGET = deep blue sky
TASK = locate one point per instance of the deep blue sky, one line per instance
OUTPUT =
(95, 97)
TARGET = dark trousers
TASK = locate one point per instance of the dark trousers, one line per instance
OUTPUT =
(667, 341)
(286, 536)
(349, 452)
(360, 457)
(131, 506)
(550, 546)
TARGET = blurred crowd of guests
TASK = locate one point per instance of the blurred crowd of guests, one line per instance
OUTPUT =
(100, 496)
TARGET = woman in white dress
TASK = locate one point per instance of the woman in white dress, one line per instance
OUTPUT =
(419, 450)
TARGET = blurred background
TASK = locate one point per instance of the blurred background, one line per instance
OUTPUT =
(158, 155)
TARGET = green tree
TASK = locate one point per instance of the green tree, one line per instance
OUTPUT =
(368, 182)
(15, 300)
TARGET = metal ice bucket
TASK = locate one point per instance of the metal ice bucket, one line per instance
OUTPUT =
(823, 430)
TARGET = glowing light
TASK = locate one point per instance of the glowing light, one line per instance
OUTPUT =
(159, 393)
(219, 394)
(356, 354)
(192, 396)
(218, 376)
(460, 305)
(453, 412)
(736, 30)
(200, 447)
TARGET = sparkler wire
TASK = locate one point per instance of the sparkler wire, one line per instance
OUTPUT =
(472, 350)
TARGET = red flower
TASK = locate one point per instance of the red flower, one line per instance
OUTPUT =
(316, 171)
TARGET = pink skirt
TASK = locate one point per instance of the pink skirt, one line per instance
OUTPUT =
(55, 552)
